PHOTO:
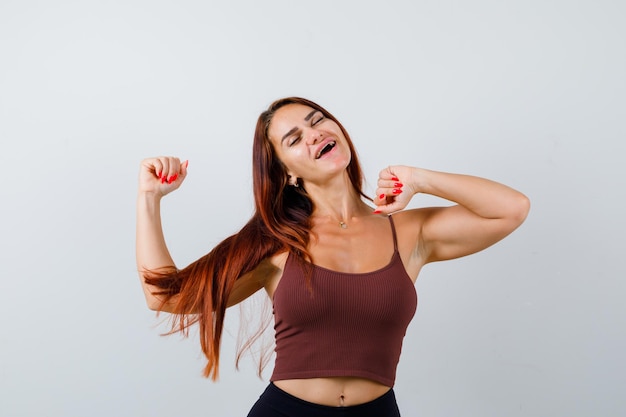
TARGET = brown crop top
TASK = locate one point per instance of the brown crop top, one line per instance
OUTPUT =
(349, 325)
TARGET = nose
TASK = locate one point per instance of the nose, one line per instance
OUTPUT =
(313, 136)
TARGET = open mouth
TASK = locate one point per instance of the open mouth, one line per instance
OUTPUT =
(325, 149)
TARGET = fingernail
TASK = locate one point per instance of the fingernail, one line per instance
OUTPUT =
(395, 179)
(398, 184)
(162, 179)
(159, 174)
(381, 197)
(396, 191)
(174, 177)
(186, 163)
(377, 211)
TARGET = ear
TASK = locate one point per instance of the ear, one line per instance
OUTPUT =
(292, 180)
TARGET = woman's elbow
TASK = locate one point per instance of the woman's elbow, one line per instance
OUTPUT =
(519, 209)
(154, 306)
(154, 303)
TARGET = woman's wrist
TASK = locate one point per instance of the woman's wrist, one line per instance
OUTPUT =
(149, 195)
(148, 200)
(419, 180)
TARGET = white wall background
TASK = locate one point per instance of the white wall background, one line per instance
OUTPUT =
(530, 93)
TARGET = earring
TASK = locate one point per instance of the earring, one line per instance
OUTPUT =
(294, 183)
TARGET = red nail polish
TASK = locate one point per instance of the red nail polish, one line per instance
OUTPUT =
(398, 184)
(395, 179)
(377, 211)
(162, 179)
(396, 191)
(381, 197)
(174, 177)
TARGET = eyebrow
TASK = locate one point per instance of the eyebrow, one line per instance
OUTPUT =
(293, 130)
(308, 116)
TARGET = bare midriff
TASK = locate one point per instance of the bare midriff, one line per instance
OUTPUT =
(335, 391)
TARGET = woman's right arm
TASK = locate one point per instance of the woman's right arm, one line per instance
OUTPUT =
(157, 178)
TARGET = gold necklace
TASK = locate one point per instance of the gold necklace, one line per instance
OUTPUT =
(342, 224)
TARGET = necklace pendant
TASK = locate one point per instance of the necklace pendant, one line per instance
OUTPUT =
(343, 225)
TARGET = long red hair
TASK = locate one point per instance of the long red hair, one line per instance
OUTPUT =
(280, 223)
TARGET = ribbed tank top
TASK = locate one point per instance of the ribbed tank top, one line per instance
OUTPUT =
(344, 324)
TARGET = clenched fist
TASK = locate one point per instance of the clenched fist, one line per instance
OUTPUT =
(161, 175)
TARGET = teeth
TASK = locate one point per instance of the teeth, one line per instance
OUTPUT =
(329, 145)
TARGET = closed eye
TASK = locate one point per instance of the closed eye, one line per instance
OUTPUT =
(294, 141)
(317, 120)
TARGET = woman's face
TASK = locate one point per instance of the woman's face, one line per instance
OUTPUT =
(311, 146)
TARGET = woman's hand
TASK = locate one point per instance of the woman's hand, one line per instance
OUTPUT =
(161, 175)
(396, 186)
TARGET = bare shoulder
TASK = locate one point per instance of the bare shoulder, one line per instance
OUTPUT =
(411, 217)
(278, 259)
(266, 273)
(408, 224)
(275, 265)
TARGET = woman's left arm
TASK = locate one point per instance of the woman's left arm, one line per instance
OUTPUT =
(485, 211)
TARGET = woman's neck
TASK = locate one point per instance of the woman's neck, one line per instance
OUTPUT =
(338, 202)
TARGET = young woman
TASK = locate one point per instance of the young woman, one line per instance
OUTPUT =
(340, 273)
